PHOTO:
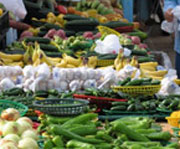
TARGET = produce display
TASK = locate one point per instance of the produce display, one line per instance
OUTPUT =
(85, 75)
(88, 132)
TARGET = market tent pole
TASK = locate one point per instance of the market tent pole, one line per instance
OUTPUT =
(128, 9)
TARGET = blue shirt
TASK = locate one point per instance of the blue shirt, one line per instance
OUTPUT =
(171, 4)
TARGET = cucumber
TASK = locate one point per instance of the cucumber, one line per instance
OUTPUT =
(107, 56)
(50, 5)
(53, 54)
(90, 22)
(38, 39)
(37, 23)
(48, 47)
(131, 107)
(33, 5)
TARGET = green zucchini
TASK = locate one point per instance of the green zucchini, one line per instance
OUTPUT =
(115, 24)
(42, 33)
(71, 17)
(48, 47)
(139, 52)
(52, 26)
(90, 22)
(145, 59)
(139, 33)
(38, 39)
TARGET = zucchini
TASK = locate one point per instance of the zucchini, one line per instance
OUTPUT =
(107, 56)
(53, 54)
(115, 24)
(145, 59)
(71, 17)
(48, 47)
(139, 52)
(38, 39)
(69, 33)
(131, 134)
(42, 33)
(49, 26)
(36, 23)
(90, 22)
(138, 33)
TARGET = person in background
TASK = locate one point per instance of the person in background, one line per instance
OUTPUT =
(168, 7)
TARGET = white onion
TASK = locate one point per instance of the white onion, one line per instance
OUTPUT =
(10, 114)
(2, 123)
(24, 126)
(30, 134)
(11, 128)
(26, 119)
(27, 143)
(9, 145)
(12, 137)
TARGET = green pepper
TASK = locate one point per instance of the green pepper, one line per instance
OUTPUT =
(57, 140)
(48, 144)
(73, 144)
(160, 136)
(103, 135)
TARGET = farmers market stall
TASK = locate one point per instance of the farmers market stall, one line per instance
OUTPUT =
(83, 74)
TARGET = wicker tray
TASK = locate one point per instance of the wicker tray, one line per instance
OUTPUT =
(138, 90)
(61, 107)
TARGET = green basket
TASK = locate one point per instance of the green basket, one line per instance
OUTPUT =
(5, 104)
(61, 107)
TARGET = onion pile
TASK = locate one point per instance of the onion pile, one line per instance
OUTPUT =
(17, 132)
